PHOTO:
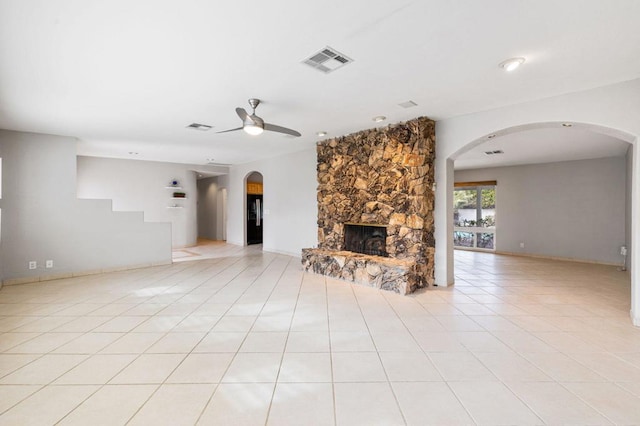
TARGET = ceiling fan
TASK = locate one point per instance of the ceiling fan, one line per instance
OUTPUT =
(254, 125)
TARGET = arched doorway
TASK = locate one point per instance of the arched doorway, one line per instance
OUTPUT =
(444, 254)
(254, 208)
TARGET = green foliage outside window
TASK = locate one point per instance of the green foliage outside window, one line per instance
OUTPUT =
(467, 198)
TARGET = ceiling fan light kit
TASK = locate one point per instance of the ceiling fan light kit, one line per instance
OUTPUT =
(252, 129)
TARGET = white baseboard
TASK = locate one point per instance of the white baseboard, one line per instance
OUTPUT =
(563, 259)
(287, 253)
(59, 276)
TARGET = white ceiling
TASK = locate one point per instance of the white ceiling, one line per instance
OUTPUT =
(128, 76)
(543, 145)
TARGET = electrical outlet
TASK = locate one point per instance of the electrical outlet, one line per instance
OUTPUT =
(33, 264)
(49, 264)
(623, 250)
(521, 245)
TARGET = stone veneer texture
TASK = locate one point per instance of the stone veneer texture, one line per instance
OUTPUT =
(379, 177)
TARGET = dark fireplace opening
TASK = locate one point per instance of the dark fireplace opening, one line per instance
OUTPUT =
(366, 239)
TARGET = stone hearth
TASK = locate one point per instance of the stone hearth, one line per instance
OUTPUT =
(379, 177)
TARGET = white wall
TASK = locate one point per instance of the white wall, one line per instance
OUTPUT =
(210, 207)
(290, 206)
(43, 220)
(570, 209)
(613, 110)
(135, 185)
(628, 201)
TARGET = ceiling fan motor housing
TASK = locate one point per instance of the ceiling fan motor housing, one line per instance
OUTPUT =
(253, 120)
(254, 103)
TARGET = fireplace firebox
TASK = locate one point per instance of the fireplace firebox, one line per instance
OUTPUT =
(366, 239)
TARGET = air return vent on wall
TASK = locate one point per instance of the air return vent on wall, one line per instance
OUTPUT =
(327, 60)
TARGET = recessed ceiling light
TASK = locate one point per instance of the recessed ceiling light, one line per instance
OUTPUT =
(379, 118)
(198, 126)
(567, 125)
(511, 64)
(491, 136)
(321, 133)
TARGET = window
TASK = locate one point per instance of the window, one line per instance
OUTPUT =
(474, 215)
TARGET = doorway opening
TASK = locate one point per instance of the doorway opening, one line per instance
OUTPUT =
(212, 206)
(565, 191)
(254, 192)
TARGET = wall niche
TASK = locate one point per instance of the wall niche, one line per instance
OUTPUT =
(380, 177)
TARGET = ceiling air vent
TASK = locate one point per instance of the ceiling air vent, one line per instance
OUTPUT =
(497, 151)
(408, 104)
(198, 126)
(327, 60)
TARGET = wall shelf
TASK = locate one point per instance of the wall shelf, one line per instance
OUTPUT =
(178, 194)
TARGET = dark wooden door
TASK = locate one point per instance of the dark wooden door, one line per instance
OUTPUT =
(255, 221)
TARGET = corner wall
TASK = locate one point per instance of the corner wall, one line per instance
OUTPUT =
(290, 205)
(628, 202)
(43, 220)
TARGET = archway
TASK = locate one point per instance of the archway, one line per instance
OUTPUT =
(444, 199)
(254, 208)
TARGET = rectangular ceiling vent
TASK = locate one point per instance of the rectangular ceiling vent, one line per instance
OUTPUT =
(408, 104)
(497, 151)
(198, 126)
(327, 60)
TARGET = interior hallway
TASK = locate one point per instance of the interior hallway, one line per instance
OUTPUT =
(248, 338)
(211, 249)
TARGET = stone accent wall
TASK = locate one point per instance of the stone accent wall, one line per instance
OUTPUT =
(380, 177)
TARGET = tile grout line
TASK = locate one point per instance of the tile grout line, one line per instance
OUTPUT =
(284, 349)
(395, 397)
(204, 408)
(102, 386)
(190, 352)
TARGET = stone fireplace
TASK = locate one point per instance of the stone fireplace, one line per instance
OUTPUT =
(375, 207)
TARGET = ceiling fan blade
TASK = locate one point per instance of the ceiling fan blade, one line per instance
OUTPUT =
(242, 114)
(230, 130)
(280, 129)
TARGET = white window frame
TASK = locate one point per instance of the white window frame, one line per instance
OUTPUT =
(475, 230)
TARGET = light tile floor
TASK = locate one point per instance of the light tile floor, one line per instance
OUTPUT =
(244, 337)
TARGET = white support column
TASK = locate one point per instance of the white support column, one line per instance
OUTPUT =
(444, 222)
(635, 237)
